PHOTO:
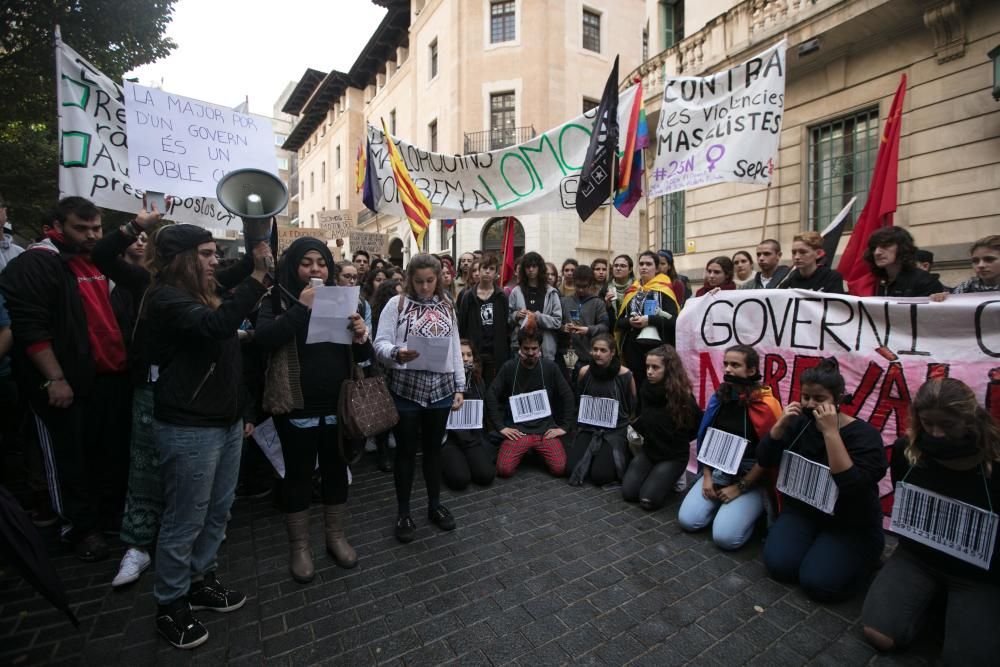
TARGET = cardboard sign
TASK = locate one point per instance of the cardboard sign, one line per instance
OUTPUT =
(374, 244)
(338, 223)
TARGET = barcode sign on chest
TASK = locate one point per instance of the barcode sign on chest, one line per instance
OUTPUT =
(596, 411)
(958, 529)
(808, 481)
(722, 451)
(529, 406)
(469, 416)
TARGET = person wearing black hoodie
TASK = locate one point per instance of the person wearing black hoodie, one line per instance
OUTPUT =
(197, 369)
(316, 372)
(807, 250)
(952, 450)
(482, 318)
(892, 257)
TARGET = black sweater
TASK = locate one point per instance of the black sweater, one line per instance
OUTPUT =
(967, 486)
(470, 323)
(323, 367)
(561, 399)
(198, 355)
(662, 440)
(910, 282)
(857, 505)
(823, 279)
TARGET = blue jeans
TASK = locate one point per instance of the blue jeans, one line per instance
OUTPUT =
(830, 563)
(200, 466)
(733, 521)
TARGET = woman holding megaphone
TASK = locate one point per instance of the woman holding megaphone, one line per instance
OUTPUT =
(646, 315)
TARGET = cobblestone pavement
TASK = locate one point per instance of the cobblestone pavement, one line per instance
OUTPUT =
(538, 573)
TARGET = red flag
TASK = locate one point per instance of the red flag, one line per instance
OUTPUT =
(507, 268)
(881, 203)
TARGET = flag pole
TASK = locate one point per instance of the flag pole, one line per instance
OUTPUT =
(611, 197)
(767, 203)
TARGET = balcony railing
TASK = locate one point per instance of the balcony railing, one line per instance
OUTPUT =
(491, 140)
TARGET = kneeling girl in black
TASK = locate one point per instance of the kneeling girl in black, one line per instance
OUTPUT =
(829, 534)
(607, 394)
(667, 419)
(466, 455)
(952, 450)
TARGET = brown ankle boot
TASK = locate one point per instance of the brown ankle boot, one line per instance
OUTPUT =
(300, 561)
(342, 552)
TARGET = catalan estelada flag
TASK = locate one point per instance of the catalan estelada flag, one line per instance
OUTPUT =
(632, 166)
(359, 170)
(415, 204)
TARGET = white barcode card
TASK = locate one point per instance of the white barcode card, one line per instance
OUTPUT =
(722, 451)
(469, 416)
(967, 532)
(808, 481)
(596, 411)
(529, 406)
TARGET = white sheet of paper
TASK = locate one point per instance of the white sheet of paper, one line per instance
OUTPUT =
(266, 438)
(331, 314)
(807, 481)
(595, 411)
(530, 406)
(433, 353)
(722, 451)
(469, 416)
(967, 532)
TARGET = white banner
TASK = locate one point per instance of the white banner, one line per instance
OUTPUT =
(722, 127)
(93, 147)
(538, 176)
(886, 348)
(185, 146)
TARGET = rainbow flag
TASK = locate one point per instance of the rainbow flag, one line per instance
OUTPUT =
(415, 204)
(359, 170)
(632, 165)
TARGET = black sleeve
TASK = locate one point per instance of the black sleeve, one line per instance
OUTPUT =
(31, 286)
(567, 421)
(927, 284)
(236, 273)
(769, 449)
(864, 445)
(899, 465)
(272, 332)
(177, 310)
(834, 284)
(497, 393)
(462, 313)
(107, 256)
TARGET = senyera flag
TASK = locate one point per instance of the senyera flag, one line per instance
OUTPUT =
(415, 203)
(359, 170)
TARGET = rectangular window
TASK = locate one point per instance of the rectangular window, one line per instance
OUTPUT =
(589, 104)
(432, 53)
(279, 139)
(502, 131)
(591, 31)
(432, 136)
(322, 172)
(841, 159)
(337, 155)
(501, 21)
(672, 222)
(392, 122)
(444, 232)
(671, 22)
(283, 163)
(312, 182)
(337, 200)
(645, 43)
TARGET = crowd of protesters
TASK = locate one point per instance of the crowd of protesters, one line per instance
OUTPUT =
(142, 365)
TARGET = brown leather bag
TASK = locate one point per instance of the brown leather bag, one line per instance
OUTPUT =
(365, 407)
(282, 392)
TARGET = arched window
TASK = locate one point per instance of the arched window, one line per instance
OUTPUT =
(396, 251)
(493, 237)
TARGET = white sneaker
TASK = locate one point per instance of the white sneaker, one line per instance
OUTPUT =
(370, 445)
(133, 563)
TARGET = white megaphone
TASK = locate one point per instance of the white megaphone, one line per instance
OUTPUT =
(255, 196)
(649, 334)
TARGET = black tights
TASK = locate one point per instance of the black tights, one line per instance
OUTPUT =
(300, 447)
(650, 483)
(602, 465)
(462, 463)
(424, 430)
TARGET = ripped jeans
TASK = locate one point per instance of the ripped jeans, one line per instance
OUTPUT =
(199, 467)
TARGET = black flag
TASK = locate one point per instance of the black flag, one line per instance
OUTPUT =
(831, 235)
(598, 173)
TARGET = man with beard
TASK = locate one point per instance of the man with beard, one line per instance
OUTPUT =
(71, 364)
(532, 406)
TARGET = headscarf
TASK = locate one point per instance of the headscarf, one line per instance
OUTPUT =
(288, 273)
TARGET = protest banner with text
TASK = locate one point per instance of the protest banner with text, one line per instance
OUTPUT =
(538, 176)
(185, 146)
(373, 244)
(286, 235)
(337, 222)
(93, 147)
(886, 348)
(722, 127)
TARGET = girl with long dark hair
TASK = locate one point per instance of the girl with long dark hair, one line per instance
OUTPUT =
(534, 304)
(466, 456)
